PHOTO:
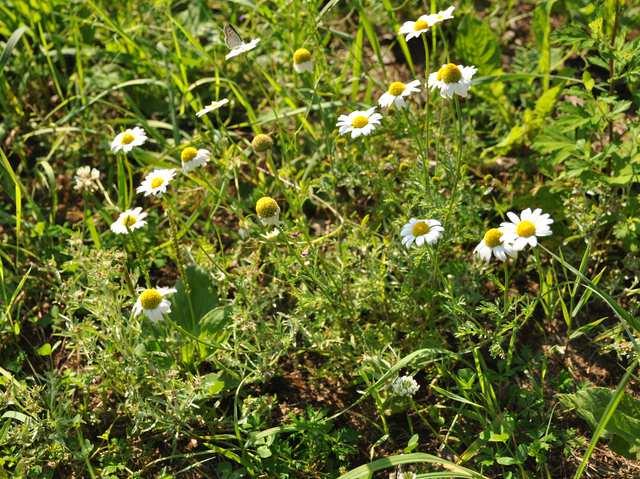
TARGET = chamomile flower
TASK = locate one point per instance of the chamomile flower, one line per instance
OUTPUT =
(268, 211)
(405, 386)
(242, 48)
(128, 140)
(452, 79)
(441, 16)
(193, 158)
(302, 60)
(153, 304)
(421, 232)
(214, 105)
(128, 221)
(261, 143)
(493, 244)
(86, 179)
(156, 182)
(525, 229)
(397, 92)
(359, 123)
(415, 29)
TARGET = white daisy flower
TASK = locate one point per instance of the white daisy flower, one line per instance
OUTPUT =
(128, 140)
(192, 158)
(86, 179)
(396, 93)
(156, 182)
(302, 60)
(452, 79)
(268, 211)
(441, 16)
(405, 386)
(524, 230)
(421, 232)
(359, 122)
(242, 48)
(493, 244)
(153, 304)
(415, 29)
(214, 105)
(128, 221)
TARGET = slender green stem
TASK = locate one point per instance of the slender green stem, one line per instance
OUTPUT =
(427, 125)
(173, 229)
(458, 163)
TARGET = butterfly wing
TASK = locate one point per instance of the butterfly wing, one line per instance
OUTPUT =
(232, 37)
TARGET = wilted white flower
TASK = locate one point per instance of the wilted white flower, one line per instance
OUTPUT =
(421, 232)
(405, 386)
(156, 182)
(452, 79)
(86, 179)
(302, 60)
(128, 140)
(359, 123)
(153, 304)
(214, 105)
(525, 229)
(192, 158)
(268, 211)
(128, 221)
(397, 92)
(493, 244)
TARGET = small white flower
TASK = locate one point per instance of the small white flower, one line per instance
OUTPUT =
(396, 93)
(493, 244)
(192, 158)
(156, 182)
(268, 211)
(86, 179)
(421, 232)
(405, 386)
(441, 16)
(415, 29)
(452, 79)
(359, 123)
(128, 221)
(214, 105)
(525, 229)
(153, 304)
(302, 61)
(242, 48)
(128, 140)
(271, 235)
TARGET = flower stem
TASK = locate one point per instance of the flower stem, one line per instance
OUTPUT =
(458, 163)
(427, 70)
(173, 229)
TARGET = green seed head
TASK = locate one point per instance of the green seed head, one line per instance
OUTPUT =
(261, 143)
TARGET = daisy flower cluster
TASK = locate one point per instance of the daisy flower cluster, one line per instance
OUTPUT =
(520, 232)
(450, 79)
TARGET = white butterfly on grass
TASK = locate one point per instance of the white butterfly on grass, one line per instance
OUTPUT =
(235, 43)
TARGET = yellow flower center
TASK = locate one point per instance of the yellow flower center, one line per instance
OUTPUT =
(420, 228)
(266, 207)
(188, 154)
(127, 138)
(492, 237)
(157, 182)
(301, 55)
(421, 24)
(261, 143)
(150, 298)
(396, 88)
(526, 228)
(449, 73)
(130, 220)
(359, 121)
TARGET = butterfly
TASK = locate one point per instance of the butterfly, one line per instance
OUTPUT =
(232, 37)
